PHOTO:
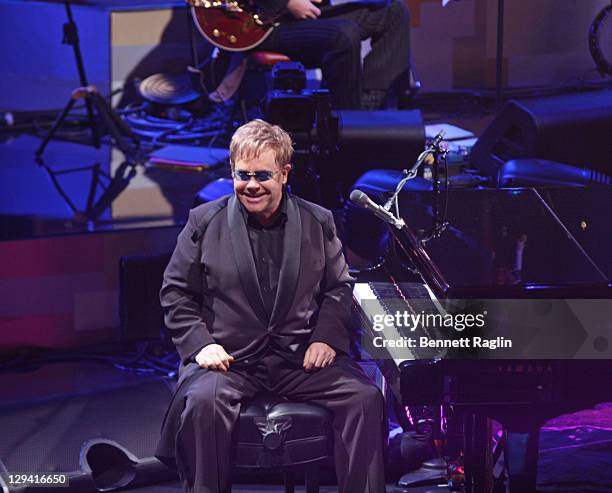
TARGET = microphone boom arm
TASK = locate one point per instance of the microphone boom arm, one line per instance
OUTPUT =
(433, 149)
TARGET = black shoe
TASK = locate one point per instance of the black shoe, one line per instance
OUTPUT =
(373, 100)
(405, 97)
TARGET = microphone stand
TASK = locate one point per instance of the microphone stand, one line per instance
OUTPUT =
(439, 223)
(119, 131)
(71, 37)
(434, 150)
(438, 152)
(499, 55)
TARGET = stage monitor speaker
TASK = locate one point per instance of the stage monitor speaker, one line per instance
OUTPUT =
(572, 129)
(374, 140)
(381, 139)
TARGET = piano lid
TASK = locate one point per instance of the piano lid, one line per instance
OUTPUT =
(509, 242)
(586, 214)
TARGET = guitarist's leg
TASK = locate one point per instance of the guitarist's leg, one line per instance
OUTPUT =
(389, 29)
(334, 45)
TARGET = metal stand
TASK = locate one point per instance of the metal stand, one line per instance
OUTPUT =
(71, 37)
(436, 152)
(120, 132)
(499, 56)
(117, 128)
(111, 187)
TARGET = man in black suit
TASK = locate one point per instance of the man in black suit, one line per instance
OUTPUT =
(257, 298)
(329, 37)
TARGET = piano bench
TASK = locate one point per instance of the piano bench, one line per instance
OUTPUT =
(273, 432)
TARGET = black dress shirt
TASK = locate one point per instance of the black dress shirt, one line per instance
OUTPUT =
(267, 249)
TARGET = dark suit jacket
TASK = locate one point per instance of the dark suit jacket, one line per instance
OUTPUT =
(210, 292)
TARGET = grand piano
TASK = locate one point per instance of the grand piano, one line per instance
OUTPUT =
(531, 247)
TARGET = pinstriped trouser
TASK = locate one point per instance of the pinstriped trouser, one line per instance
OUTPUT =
(333, 43)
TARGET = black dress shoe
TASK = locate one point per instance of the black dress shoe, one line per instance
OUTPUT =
(373, 100)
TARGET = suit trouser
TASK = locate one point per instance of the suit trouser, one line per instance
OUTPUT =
(213, 404)
(334, 44)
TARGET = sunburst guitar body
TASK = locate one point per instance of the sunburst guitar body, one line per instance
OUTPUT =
(230, 25)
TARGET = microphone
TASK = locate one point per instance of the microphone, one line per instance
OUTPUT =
(361, 199)
(437, 140)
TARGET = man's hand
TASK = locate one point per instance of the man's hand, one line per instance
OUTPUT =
(214, 357)
(318, 355)
(304, 9)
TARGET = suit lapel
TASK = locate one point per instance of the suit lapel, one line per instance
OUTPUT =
(290, 265)
(243, 257)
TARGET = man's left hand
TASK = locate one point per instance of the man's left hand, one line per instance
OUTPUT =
(318, 355)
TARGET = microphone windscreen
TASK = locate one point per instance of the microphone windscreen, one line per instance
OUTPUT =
(358, 197)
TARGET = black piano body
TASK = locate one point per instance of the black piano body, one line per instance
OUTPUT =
(506, 244)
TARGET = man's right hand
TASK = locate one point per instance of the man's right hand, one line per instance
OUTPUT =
(304, 9)
(214, 357)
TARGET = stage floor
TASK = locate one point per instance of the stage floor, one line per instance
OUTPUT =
(63, 404)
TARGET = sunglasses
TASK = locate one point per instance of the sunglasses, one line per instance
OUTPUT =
(258, 175)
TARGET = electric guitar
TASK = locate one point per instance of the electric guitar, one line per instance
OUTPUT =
(231, 25)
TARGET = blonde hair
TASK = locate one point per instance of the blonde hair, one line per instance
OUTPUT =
(257, 136)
